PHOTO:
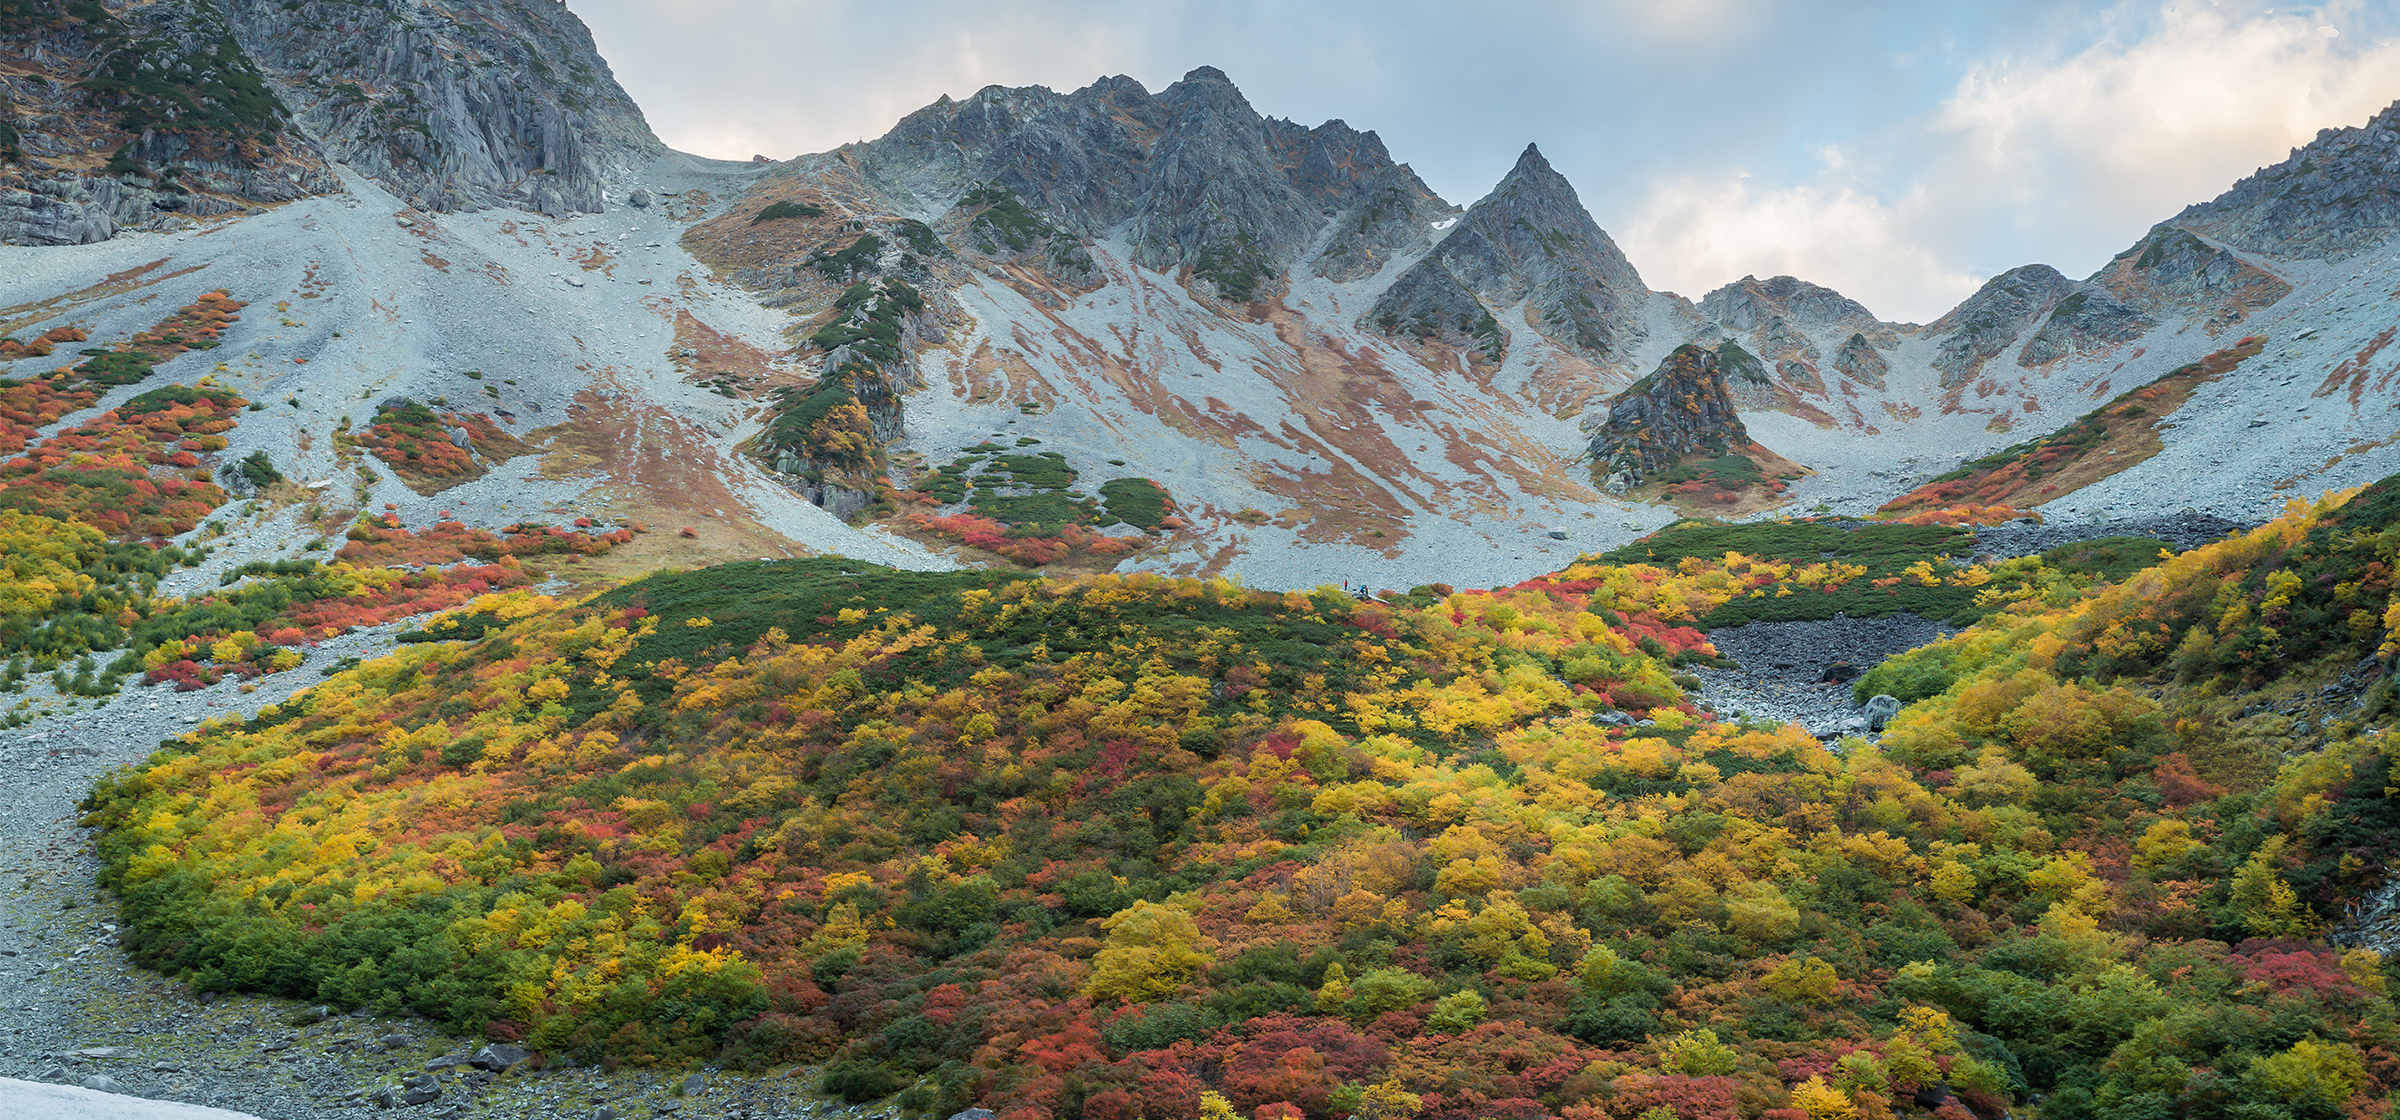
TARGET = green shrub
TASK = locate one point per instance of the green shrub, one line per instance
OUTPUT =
(785, 208)
(260, 470)
(858, 1081)
(1138, 502)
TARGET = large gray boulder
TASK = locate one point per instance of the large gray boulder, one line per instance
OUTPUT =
(1880, 710)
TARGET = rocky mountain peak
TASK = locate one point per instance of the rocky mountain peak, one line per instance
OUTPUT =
(2337, 194)
(2170, 268)
(1192, 176)
(1529, 240)
(1748, 304)
(1987, 323)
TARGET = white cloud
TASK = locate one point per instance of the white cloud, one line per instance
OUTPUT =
(2063, 157)
(2170, 118)
(1694, 235)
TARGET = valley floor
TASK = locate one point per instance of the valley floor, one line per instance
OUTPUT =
(81, 1012)
(78, 1014)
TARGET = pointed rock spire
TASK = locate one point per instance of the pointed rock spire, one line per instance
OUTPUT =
(1530, 239)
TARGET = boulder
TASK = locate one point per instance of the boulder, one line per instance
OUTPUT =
(498, 1056)
(1879, 711)
(421, 1089)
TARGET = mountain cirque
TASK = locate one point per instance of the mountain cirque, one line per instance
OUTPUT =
(453, 282)
(1333, 374)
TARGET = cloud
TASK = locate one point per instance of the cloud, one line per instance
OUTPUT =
(2141, 128)
(2062, 153)
(1898, 150)
(1694, 235)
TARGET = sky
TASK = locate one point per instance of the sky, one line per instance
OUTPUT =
(1899, 151)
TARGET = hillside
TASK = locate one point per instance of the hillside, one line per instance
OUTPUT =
(899, 618)
(1128, 845)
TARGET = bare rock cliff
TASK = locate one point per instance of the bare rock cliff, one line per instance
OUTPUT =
(136, 116)
(454, 105)
(1192, 176)
(1682, 407)
(1529, 240)
(2338, 194)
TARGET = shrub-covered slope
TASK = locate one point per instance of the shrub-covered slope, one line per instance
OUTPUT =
(1146, 847)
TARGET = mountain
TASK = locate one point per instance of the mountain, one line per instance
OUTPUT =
(212, 109)
(1174, 285)
(454, 105)
(1528, 243)
(1110, 327)
(2337, 195)
(189, 128)
(875, 614)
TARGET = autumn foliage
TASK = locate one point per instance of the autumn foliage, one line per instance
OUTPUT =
(134, 471)
(416, 442)
(1147, 847)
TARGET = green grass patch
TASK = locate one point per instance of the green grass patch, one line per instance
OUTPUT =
(1885, 551)
(786, 208)
(857, 256)
(1004, 221)
(1138, 502)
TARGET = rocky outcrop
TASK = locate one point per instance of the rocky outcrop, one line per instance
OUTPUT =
(1530, 240)
(1740, 366)
(1681, 408)
(452, 105)
(1192, 176)
(1787, 322)
(1750, 303)
(1860, 361)
(2170, 270)
(140, 118)
(2338, 194)
(2089, 318)
(1987, 323)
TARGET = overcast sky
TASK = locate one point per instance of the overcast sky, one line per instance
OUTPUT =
(1901, 152)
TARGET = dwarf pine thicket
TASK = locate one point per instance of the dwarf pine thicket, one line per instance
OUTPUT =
(1135, 846)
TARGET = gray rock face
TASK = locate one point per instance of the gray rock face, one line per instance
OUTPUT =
(1750, 303)
(1530, 240)
(509, 105)
(1860, 361)
(2337, 195)
(1777, 317)
(59, 210)
(1193, 175)
(1993, 319)
(1681, 408)
(191, 130)
(2088, 318)
(2169, 270)
(1741, 366)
